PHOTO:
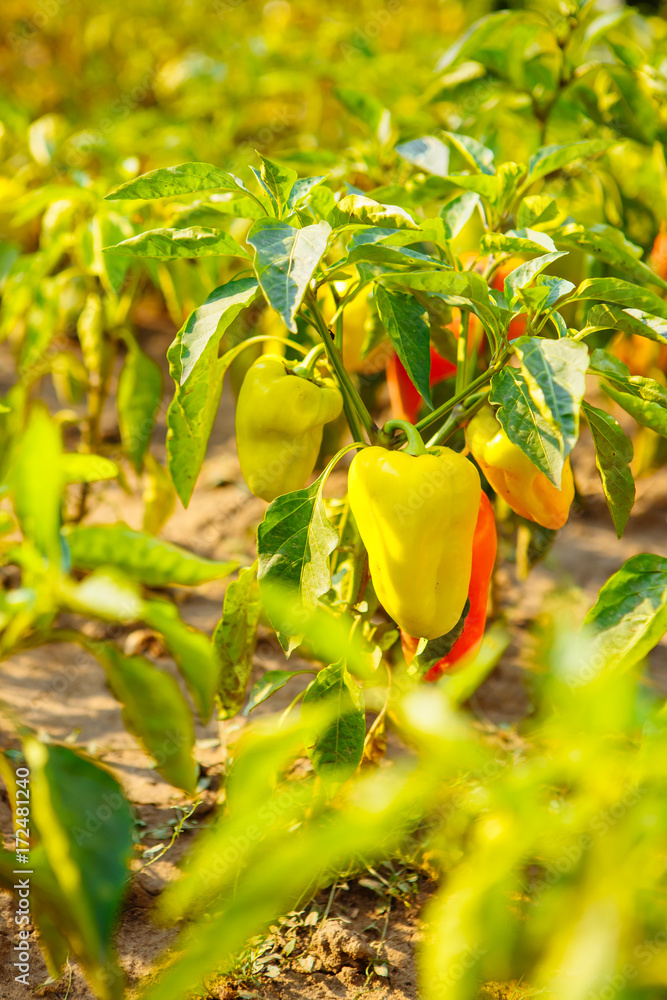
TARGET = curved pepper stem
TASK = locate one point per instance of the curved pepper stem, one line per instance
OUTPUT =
(416, 445)
(306, 368)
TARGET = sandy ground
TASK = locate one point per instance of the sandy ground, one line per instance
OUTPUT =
(60, 691)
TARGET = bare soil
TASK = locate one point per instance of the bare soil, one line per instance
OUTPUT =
(60, 691)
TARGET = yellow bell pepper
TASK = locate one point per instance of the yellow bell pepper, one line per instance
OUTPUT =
(280, 415)
(416, 513)
(355, 318)
(529, 492)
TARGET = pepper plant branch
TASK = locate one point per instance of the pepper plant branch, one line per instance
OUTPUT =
(348, 388)
(459, 415)
(462, 352)
(443, 410)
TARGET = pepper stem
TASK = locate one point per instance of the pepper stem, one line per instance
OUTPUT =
(416, 445)
(306, 367)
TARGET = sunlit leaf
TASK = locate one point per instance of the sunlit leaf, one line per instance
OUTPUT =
(155, 711)
(171, 244)
(555, 373)
(337, 748)
(141, 557)
(285, 259)
(406, 323)
(613, 454)
(235, 638)
(630, 615)
(524, 424)
(186, 178)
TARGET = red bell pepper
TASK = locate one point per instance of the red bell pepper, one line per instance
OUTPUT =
(483, 560)
(404, 397)
(658, 258)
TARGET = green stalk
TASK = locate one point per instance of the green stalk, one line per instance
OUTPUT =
(416, 445)
(306, 368)
(462, 352)
(458, 415)
(443, 410)
(350, 391)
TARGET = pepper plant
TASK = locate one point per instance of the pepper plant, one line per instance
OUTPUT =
(315, 250)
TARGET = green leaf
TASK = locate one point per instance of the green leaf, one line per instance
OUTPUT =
(86, 836)
(141, 557)
(524, 424)
(302, 188)
(186, 178)
(155, 711)
(427, 153)
(191, 414)
(613, 454)
(235, 638)
(386, 246)
(630, 615)
(172, 244)
(338, 746)
(634, 105)
(195, 655)
(456, 288)
(552, 158)
(482, 184)
(270, 682)
(108, 229)
(544, 293)
(357, 209)
(104, 594)
(87, 468)
(278, 180)
(294, 542)
(616, 251)
(622, 293)
(525, 273)
(603, 362)
(138, 399)
(536, 209)
(648, 412)
(285, 260)
(478, 156)
(37, 481)
(555, 373)
(522, 241)
(476, 37)
(447, 282)
(406, 323)
(457, 212)
(611, 317)
(208, 322)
